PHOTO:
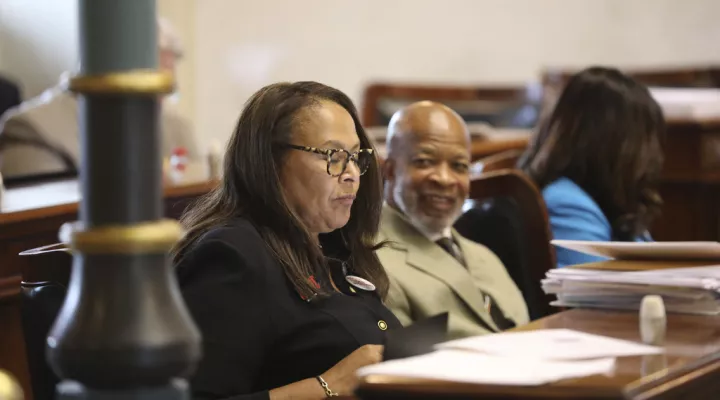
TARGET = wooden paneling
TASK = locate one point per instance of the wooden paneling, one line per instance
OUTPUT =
(690, 183)
(381, 100)
(699, 77)
(691, 211)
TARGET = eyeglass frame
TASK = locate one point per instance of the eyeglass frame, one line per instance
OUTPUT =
(330, 152)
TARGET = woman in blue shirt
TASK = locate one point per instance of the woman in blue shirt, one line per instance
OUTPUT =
(598, 158)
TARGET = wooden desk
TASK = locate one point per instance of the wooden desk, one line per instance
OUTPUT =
(30, 217)
(690, 369)
(483, 146)
(701, 76)
(480, 148)
(496, 105)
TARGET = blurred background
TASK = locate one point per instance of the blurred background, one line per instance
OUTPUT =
(499, 63)
(234, 47)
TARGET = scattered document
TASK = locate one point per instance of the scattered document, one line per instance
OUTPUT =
(470, 367)
(551, 345)
(525, 358)
(661, 251)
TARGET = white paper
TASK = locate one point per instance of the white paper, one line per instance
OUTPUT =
(662, 251)
(707, 278)
(550, 345)
(478, 368)
(707, 272)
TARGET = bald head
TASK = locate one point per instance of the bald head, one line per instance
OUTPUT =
(426, 170)
(421, 121)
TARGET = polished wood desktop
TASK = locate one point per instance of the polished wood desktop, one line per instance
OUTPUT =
(30, 216)
(485, 145)
(32, 202)
(689, 369)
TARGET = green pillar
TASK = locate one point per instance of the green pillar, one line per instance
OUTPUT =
(123, 329)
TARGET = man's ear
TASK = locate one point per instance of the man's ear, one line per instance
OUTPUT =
(388, 170)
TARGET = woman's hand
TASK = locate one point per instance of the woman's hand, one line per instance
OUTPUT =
(341, 378)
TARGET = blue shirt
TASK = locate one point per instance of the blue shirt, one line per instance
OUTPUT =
(574, 215)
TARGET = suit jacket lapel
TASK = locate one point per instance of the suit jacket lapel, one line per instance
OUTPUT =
(484, 278)
(433, 260)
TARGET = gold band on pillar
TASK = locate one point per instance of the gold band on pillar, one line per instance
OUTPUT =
(131, 82)
(9, 387)
(144, 238)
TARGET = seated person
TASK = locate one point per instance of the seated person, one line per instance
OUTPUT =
(9, 95)
(432, 268)
(597, 159)
(276, 268)
(41, 136)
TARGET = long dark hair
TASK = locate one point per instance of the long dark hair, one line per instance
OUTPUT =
(251, 189)
(606, 134)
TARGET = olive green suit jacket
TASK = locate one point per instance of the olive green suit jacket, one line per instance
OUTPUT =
(425, 280)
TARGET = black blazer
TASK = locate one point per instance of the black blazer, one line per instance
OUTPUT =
(258, 334)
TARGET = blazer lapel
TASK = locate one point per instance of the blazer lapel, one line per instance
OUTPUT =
(433, 260)
(484, 279)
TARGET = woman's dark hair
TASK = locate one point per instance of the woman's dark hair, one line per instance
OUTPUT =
(606, 134)
(251, 189)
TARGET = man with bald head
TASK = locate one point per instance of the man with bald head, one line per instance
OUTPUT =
(432, 268)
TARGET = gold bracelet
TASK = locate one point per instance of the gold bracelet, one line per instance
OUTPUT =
(328, 391)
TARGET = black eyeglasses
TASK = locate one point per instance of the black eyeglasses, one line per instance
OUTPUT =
(337, 159)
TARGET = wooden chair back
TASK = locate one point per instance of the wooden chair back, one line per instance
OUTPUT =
(507, 214)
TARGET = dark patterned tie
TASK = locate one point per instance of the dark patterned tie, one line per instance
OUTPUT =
(496, 314)
(451, 248)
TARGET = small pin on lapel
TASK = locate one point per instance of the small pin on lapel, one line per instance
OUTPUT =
(360, 283)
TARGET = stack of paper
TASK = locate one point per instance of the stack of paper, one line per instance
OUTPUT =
(684, 290)
(515, 358)
(642, 269)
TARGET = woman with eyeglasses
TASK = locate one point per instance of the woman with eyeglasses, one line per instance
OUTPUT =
(278, 267)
